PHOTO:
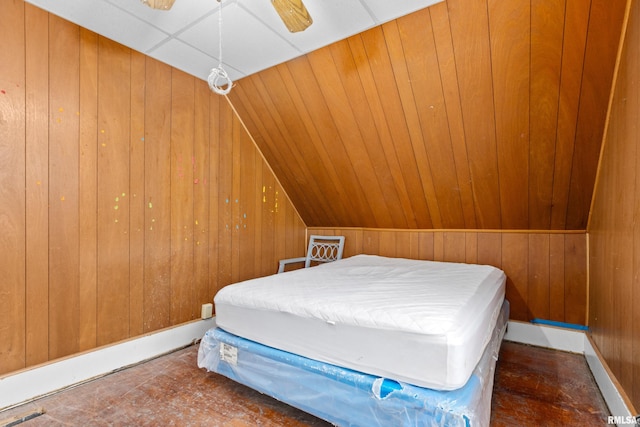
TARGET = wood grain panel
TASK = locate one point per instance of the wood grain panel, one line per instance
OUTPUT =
(129, 191)
(449, 75)
(157, 158)
(309, 189)
(224, 176)
(510, 35)
(515, 263)
(489, 248)
(63, 188)
(202, 271)
(538, 291)
(268, 235)
(12, 175)
(182, 176)
(576, 26)
(214, 193)
(325, 169)
(36, 186)
(422, 63)
(547, 32)
(394, 132)
(246, 214)
(470, 34)
(410, 119)
(467, 114)
(471, 248)
(455, 246)
(629, 66)
(136, 192)
(88, 171)
(614, 291)
(375, 129)
(539, 265)
(345, 113)
(627, 334)
(557, 276)
(235, 201)
(114, 87)
(575, 276)
(295, 169)
(599, 61)
(256, 209)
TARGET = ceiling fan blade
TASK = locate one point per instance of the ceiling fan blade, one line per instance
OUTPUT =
(294, 14)
(159, 4)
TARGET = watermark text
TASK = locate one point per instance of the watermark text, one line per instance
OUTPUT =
(621, 420)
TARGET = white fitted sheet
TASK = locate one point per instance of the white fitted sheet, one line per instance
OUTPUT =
(421, 322)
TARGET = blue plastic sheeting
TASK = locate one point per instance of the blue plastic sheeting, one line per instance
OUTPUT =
(349, 398)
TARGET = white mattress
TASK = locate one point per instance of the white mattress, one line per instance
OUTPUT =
(421, 322)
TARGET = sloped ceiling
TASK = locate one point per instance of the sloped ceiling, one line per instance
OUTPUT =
(470, 114)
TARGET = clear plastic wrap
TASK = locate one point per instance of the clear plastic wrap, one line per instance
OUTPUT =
(349, 398)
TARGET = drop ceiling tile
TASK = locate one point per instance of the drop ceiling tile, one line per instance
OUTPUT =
(190, 60)
(333, 20)
(183, 13)
(106, 19)
(249, 47)
(385, 10)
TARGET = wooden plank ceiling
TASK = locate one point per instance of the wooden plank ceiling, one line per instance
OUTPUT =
(471, 114)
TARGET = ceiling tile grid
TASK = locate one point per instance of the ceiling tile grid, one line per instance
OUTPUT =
(253, 36)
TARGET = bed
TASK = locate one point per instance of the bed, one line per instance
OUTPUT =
(368, 338)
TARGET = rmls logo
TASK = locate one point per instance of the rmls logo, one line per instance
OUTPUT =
(624, 420)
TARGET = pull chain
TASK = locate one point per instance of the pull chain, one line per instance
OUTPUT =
(218, 79)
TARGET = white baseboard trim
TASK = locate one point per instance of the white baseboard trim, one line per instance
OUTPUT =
(29, 384)
(608, 385)
(546, 336)
(32, 383)
(574, 341)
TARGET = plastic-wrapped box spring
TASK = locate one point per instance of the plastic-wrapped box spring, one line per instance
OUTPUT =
(349, 398)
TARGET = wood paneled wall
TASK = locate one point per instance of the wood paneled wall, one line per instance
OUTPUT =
(470, 114)
(129, 193)
(614, 226)
(546, 272)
